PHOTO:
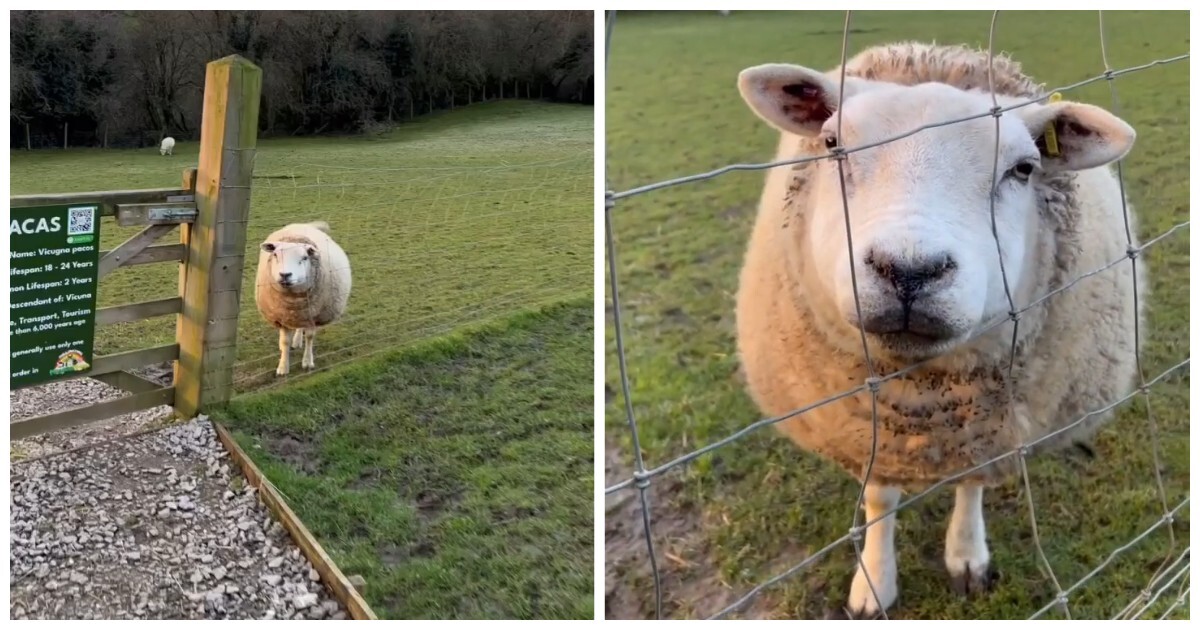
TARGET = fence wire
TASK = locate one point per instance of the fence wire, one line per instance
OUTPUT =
(1170, 576)
(431, 248)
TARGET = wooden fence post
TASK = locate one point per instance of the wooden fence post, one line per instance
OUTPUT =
(216, 243)
(188, 183)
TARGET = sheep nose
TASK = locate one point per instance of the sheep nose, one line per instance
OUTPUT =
(285, 275)
(910, 277)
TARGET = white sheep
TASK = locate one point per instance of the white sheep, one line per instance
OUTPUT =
(929, 280)
(302, 284)
(167, 147)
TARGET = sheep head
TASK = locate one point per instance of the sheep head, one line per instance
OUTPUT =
(291, 267)
(923, 253)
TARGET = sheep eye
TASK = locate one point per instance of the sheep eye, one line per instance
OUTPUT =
(831, 142)
(1021, 171)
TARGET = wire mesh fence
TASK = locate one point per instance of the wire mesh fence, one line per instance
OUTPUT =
(434, 250)
(1168, 581)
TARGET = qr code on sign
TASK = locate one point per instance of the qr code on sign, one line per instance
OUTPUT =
(81, 220)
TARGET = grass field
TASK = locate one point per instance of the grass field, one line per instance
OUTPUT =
(454, 475)
(749, 510)
(454, 218)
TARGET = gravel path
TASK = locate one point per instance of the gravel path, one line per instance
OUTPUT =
(59, 395)
(157, 526)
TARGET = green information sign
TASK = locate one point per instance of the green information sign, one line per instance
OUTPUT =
(54, 260)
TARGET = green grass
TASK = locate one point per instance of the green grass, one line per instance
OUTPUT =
(454, 218)
(454, 475)
(751, 509)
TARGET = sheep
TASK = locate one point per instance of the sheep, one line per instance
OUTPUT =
(303, 284)
(929, 282)
(167, 147)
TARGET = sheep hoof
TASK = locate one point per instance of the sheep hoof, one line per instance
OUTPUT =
(847, 613)
(974, 580)
(866, 602)
(281, 371)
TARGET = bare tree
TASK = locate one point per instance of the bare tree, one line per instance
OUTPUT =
(170, 66)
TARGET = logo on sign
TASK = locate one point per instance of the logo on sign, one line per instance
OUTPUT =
(70, 361)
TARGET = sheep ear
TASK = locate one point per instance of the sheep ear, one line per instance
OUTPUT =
(268, 247)
(793, 99)
(312, 251)
(1083, 136)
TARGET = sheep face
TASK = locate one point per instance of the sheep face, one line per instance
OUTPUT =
(921, 247)
(291, 266)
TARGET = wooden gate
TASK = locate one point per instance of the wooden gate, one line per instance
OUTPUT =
(211, 207)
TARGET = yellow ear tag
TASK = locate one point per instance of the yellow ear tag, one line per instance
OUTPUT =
(1051, 136)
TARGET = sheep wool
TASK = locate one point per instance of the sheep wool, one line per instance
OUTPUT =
(167, 147)
(1074, 354)
(302, 284)
(965, 407)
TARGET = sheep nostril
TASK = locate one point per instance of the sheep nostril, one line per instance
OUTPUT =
(911, 278)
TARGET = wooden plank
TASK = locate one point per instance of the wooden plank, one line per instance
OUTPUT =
(92, 412)
(108, 199)
(128, 360)
(228, 138)
(97, 444)
(138, 311)
(188, 182)
(154, 254)
(128, 382)
(129, 214)
(330, 574)
(131, 248)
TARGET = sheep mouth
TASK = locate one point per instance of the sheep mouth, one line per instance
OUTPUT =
(908, 339)
(909, 325)
(908, 344)
(908, 333)
(291, 286)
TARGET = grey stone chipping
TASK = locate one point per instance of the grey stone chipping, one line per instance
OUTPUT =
(152, 527)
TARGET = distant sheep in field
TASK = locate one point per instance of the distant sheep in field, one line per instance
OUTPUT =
(929, 281)
(167, 147)
(302, 284)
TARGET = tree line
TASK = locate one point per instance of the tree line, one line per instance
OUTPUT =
(130, 78)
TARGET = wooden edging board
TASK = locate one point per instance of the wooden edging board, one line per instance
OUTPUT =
(330, 574)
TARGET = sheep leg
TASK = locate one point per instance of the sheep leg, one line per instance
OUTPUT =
(874, 587)
(297, 339)
(967, 557)
(282, 370)
(310, 335)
